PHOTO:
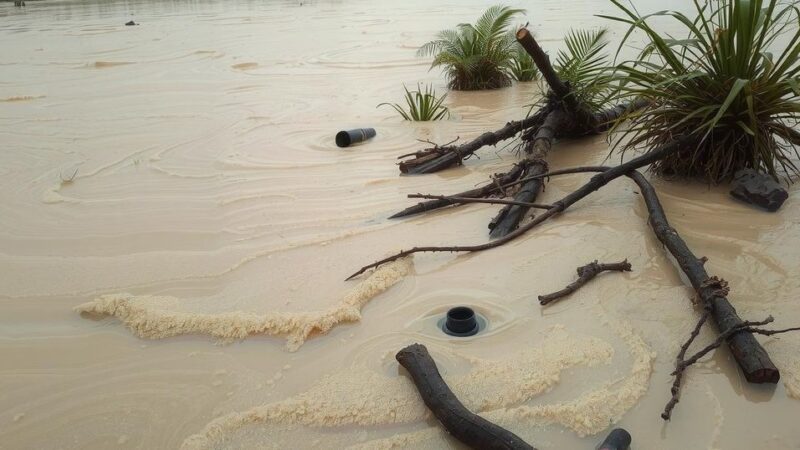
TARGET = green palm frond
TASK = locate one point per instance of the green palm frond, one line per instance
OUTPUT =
(476, 56)
(584, 57)
(584, 65)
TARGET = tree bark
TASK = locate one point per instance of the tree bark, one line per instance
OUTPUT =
(469, 428)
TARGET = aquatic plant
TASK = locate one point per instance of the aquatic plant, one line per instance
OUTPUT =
(422, 106)
(476, 56)
(722, 85)
(522, 67)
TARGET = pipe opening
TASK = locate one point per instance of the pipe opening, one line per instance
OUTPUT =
(461, 321)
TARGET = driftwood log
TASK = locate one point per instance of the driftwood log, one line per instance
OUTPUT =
(469, 428)
(585, 274)
(749, 354)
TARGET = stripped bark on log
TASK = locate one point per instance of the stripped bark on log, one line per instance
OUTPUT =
(469, 428)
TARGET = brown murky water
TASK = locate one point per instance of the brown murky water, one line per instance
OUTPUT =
(209, 203)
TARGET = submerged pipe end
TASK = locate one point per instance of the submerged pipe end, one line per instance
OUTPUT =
(461, 321)
(343, 139)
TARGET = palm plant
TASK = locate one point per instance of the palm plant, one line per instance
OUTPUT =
(722, 86)
(476, 56)
(522, 67)
(422, 105)
(583, 64)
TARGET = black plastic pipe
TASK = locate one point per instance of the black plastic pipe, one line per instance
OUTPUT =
(461, 321)
(618, 439)
(346, 138)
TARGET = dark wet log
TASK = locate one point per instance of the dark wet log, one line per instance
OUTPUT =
(509, 218)
(585, 274)
(543, 139)
(469, 428)
(453, 155)
(484, 191)
(749, 354)
(605, 119)
(618, 439)
(542, 61)
(595, 183)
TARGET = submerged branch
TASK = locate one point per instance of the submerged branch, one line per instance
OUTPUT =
(585, 274)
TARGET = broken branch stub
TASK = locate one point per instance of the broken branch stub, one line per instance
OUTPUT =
(469, 428)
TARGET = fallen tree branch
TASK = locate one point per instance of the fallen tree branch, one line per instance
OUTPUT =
(469, 428)
(596, 182)
(605, 119)
(682, 363)
(754, 361)
(496, 201)
(443, 157)
(496, 185)
(542, 61)
(585, 274)
(676, 383)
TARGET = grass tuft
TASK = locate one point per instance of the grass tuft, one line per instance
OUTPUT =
(421, 105)
(731, 84)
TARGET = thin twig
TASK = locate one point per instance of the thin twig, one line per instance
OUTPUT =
(497, 201)
(676, 384)
(682, 363)
(585, 274)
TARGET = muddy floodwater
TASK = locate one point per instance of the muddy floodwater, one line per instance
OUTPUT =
(176, 224)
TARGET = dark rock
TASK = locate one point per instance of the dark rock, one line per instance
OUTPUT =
(131, 23)
(758, 189)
